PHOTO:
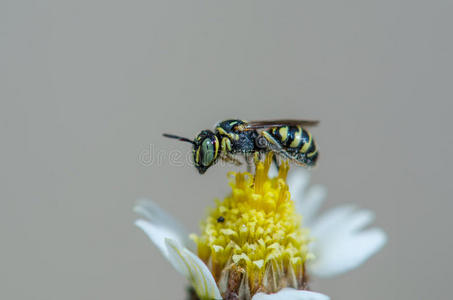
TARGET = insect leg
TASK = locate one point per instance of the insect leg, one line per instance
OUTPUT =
(231, 159)
(258, 156)
(249, 159)
(225, 145)
(275, 146)
(277, 164)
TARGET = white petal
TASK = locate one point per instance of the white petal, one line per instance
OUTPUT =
(340, 243)
(291, 294)
(309, 205)
(162, 224)
(194, 269)
(273, 171)
(156, 234)
(308, 201)
(331, 221)
(298, 181)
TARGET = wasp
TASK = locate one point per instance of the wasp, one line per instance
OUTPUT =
(287, 138)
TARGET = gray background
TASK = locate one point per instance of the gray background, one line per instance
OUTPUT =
(87, 86)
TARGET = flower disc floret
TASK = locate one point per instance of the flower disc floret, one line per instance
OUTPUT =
(253, 240)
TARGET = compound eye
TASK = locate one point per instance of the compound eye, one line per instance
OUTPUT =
(207, 152)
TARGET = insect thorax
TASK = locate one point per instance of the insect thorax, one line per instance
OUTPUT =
(239, 140)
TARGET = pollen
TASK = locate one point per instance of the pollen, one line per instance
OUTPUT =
(253, 241)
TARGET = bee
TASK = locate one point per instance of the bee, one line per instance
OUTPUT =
(287, 138)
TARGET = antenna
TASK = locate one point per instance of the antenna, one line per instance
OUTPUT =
(180, 138)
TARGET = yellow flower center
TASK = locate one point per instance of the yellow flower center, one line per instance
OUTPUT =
(253, 240)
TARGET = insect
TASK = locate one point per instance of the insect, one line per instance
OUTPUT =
(286, 138)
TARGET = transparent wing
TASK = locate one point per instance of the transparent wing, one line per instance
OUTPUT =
(251, 125)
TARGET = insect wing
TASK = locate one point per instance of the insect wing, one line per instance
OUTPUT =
(252, 125)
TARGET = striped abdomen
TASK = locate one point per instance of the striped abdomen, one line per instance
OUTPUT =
(297, 142)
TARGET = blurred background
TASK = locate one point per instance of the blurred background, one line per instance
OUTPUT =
(88, 87)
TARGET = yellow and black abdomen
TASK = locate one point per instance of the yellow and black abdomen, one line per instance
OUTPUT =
(296, 141)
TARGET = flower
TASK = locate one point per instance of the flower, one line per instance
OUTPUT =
(253, 245)
(291, 294)
(253, 240)
(340, 241)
